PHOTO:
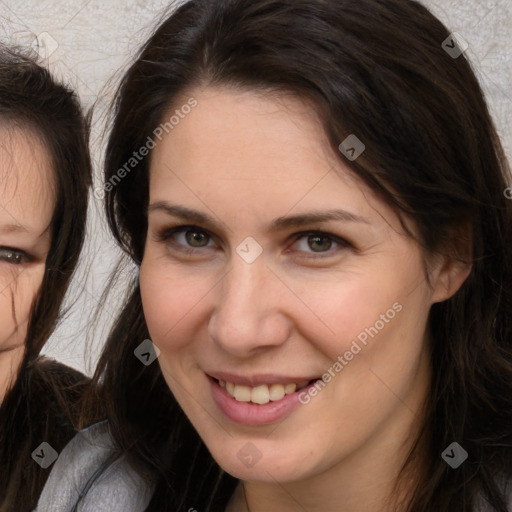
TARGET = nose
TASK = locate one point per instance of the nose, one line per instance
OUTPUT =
(249, 312)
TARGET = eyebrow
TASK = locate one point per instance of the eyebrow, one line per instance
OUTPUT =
(278, 224)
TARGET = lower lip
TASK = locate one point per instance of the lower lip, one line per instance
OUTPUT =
(247, 413)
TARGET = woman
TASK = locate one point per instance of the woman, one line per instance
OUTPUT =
(314, 193)
(45, 175)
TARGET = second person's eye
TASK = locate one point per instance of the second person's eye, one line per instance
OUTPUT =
(14, 256)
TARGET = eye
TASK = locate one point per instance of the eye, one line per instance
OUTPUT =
(14, 256)
(187, 238)
(318, 242)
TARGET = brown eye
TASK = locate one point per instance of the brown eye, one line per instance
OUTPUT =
(319, 243)
(197, 238)
(187, 238)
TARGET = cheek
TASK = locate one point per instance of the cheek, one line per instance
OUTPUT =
(171, 302)
(18, 291)
(372, 319)
(339, 309)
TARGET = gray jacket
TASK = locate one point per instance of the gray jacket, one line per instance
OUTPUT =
(79, 481)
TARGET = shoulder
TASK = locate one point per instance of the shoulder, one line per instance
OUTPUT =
(57, 386)
(43, 405)
(90, 474)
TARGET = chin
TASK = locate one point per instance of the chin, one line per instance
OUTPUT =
(243, 460)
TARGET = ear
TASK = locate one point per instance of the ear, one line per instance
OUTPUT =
(448, 277)
(450, 267)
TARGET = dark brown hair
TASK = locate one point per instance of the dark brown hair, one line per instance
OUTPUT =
(42, 404)
(377, 69)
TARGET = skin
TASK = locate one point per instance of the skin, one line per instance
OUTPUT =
(246, 159)
(26, 207)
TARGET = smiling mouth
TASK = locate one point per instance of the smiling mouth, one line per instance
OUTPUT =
(262, 394)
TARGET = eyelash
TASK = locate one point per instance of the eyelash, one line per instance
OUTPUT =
(166, 235)
(11, 251)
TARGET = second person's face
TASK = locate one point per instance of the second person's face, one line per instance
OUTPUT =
(26, 207)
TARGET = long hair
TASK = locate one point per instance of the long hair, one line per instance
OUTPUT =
(377, 69)
(42, 404)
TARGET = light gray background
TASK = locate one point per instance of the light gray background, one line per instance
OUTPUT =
(93, 41)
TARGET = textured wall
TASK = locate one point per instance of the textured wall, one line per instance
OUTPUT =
(91, 41)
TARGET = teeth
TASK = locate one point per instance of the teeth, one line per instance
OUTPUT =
(242, 393)
(290, 388)
(276, 392)
(262, 394)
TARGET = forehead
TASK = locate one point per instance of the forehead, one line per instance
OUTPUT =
(240, 127)
(26, 180)
(253, 151)
(258, 142)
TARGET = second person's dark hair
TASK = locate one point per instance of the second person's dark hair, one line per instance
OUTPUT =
(43, 400)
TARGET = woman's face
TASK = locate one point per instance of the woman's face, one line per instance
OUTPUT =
(268, 266)
(26, 206)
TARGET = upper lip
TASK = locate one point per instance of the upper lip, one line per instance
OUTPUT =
(258, 379)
